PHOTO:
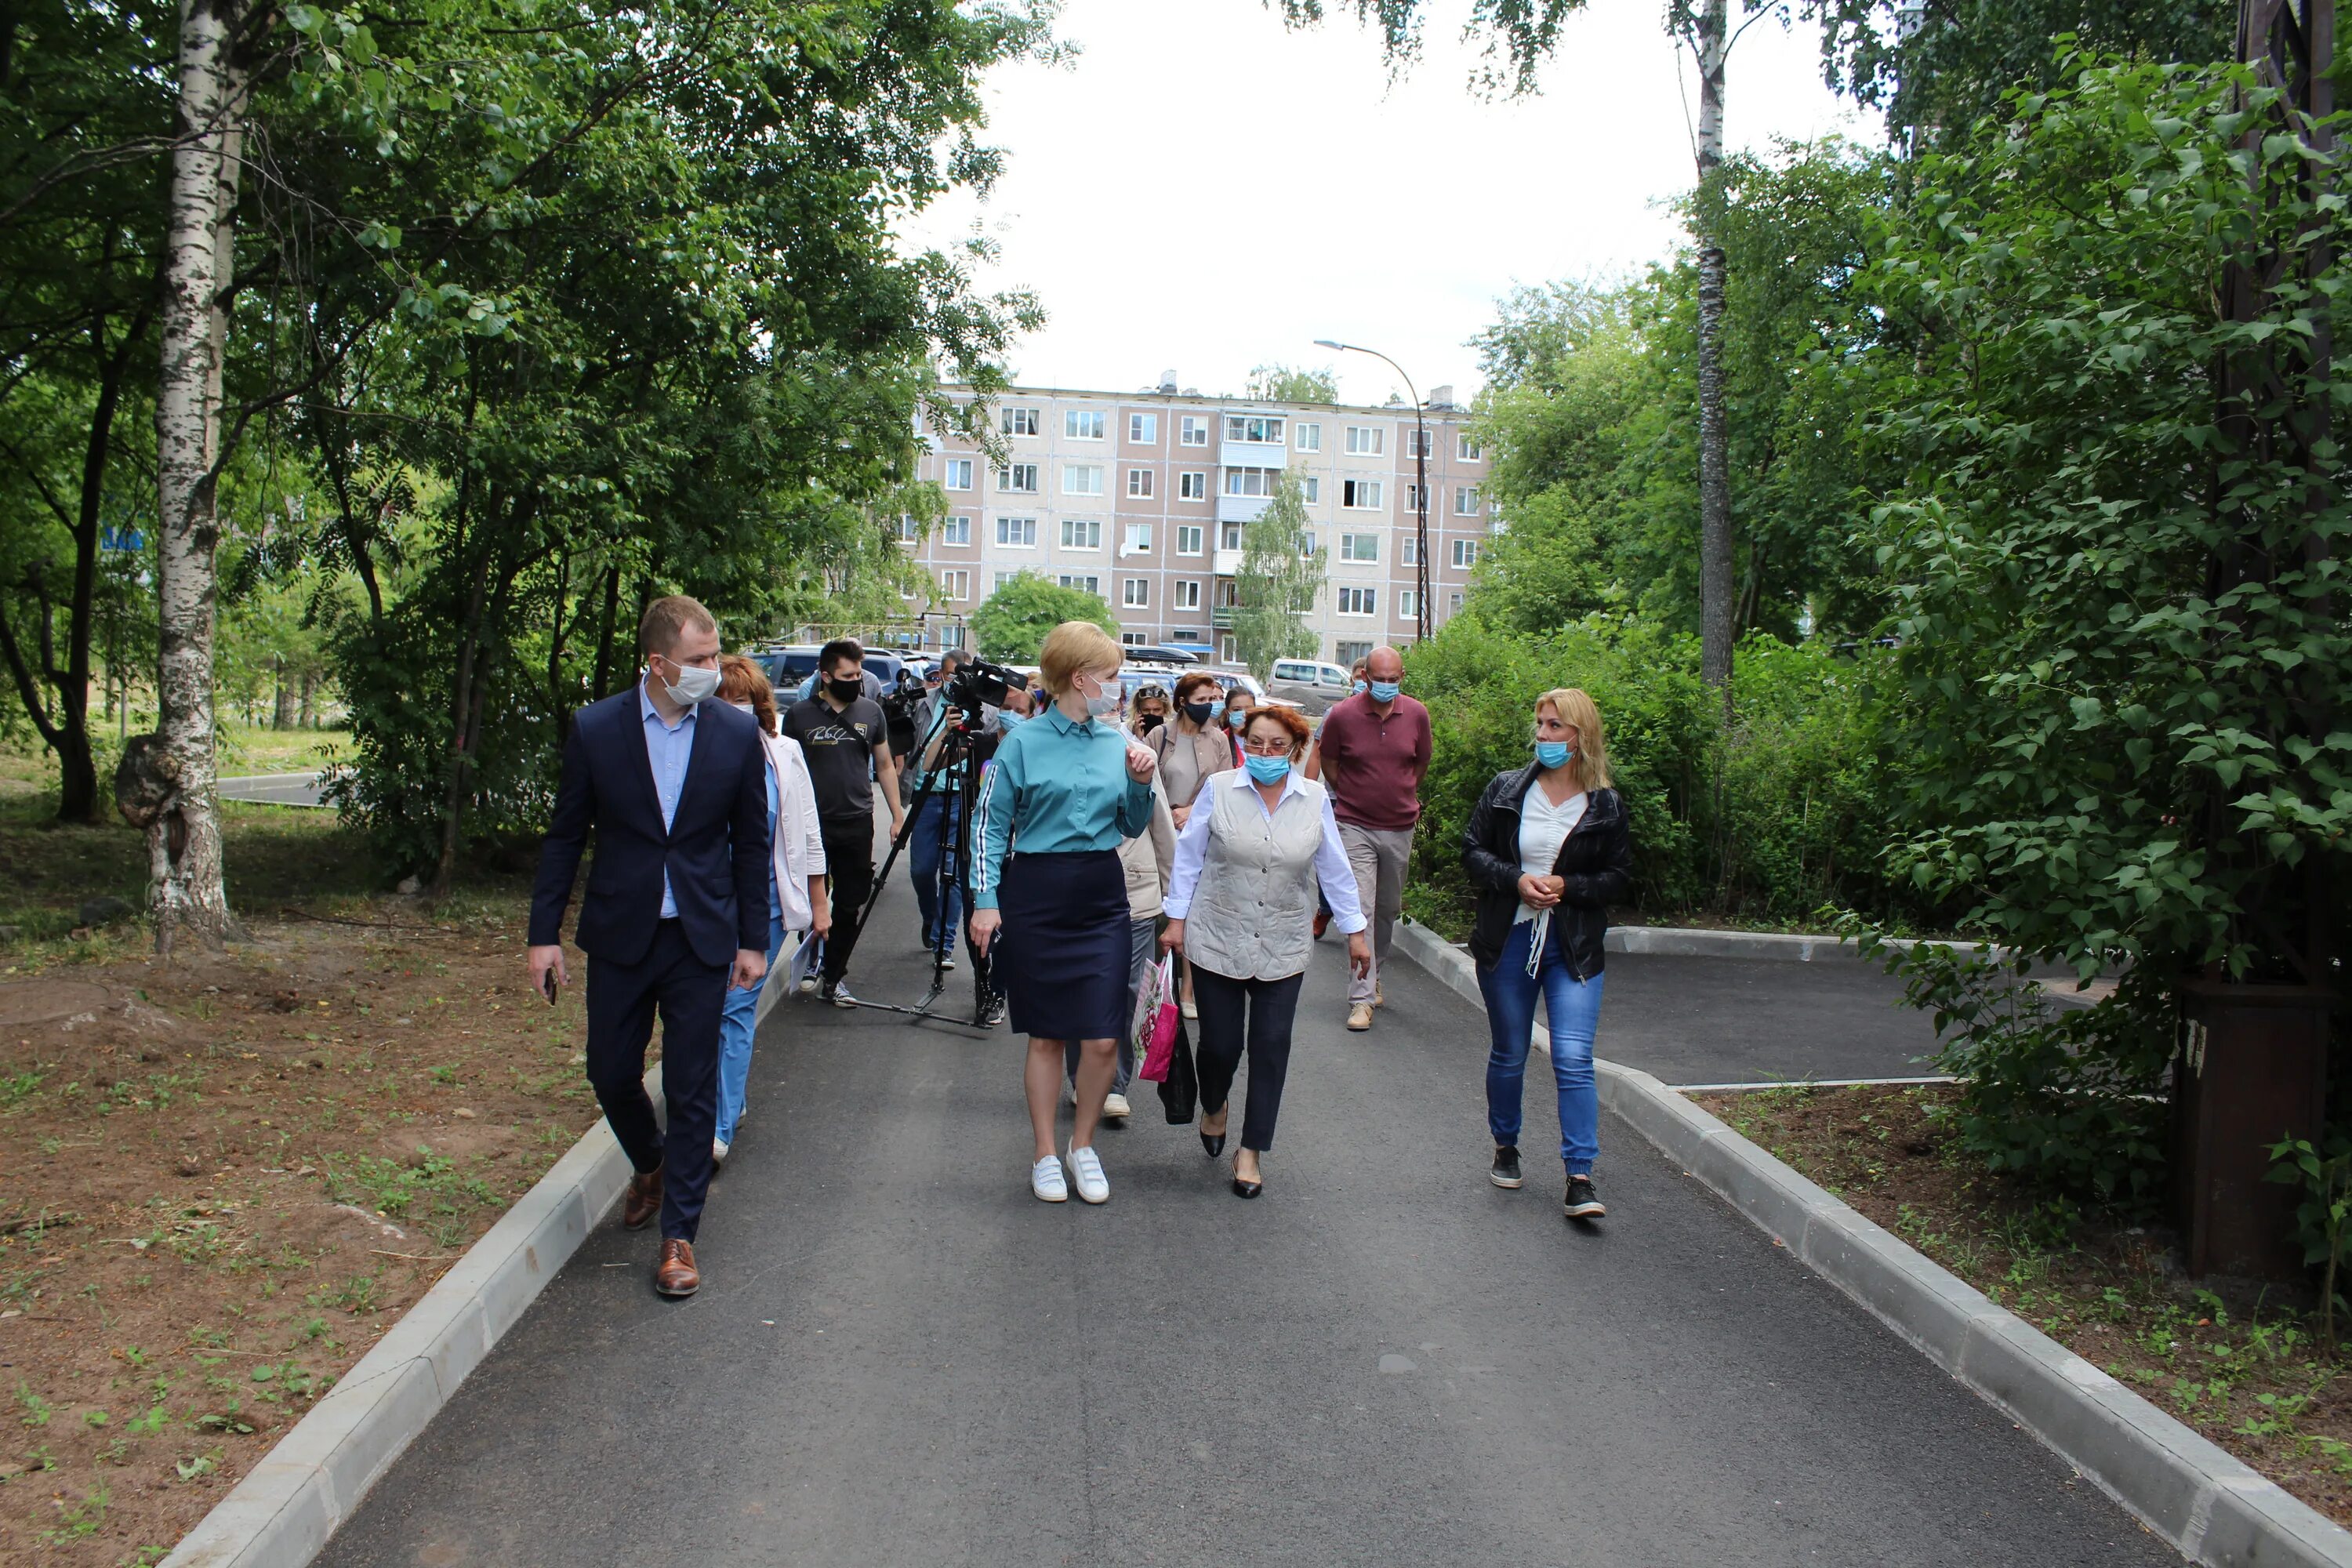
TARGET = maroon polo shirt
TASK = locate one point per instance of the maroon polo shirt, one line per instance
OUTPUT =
(1373, 766)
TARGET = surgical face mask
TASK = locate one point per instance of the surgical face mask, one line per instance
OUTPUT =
(1200, 713)
(1008, 718)
(1103, 705)
(1554, 754)
(1359, 687)
(1386, 691)
(744, 708)
(695, 684)
(846, 690)
(1267, 770)
(1234, 718)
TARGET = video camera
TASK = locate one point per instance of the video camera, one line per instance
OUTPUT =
(979, 684)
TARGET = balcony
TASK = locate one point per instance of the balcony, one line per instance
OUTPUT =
(1221, 618)
(1226, 562)
(1242, 509)
(1253, 454)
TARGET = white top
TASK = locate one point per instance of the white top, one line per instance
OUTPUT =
(1543, 827)
(1331, 868)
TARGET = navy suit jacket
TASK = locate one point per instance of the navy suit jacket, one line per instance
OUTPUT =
(715, 848)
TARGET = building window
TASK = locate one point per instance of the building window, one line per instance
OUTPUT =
(1363, 495)
(1259, 429)
(958, 475)
(1454, 602)
(1081, 478)
(1188, 594)
(1187, 539)
(1465, 446)
(1021, 478)
(1227, 651)
(1135, 594)
(1136, 539)
(1465, 554)
(1308, 435)
(1347, 653)
(956, 530)
(1143, 429)
(1466, 500)
(1251, 481)
(1192, 431)
(910, 531)
(1000, 579)
(1419, 442)
(1310, 488)
(1082, 423)
(1081, 534)
(1412, 499)
(1365, 440)
(1230, 537)
(1073, 579)
(1020, 422)
(1139, 483)
(1359, 547)
(1359, 601)
(955, 586)
(1192, 485)
(1406, 599)
(1306, 545)
(1409, 551)
(1229, 593)
(1133, 640)
(1017, 532)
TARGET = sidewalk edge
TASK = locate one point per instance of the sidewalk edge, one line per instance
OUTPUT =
(281, 1514)
(2213, 1508)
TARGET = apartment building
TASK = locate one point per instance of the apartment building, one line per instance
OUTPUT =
(1141, 498)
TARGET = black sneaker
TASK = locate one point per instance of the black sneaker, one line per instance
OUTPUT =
(1582, 1202)
(992, 1010)
(1506, 1172)
(837, 993)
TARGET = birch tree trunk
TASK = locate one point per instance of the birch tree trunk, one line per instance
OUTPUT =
(1715, 574)
(184, 841)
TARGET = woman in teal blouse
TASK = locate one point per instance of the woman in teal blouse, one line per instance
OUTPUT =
(1049, 893)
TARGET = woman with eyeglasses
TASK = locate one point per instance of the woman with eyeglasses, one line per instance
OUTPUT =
(1259, 842)
(1550, 850)
(1065, 788)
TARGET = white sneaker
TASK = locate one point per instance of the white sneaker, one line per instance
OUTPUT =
(1046, 1181)
(1114, 1106)
(808, 984)
(718, 1148)
(1093, 1185)
(1189, 1011)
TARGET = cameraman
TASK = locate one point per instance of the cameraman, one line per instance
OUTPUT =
(950, 748)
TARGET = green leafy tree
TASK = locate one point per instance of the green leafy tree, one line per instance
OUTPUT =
(1282, 383)
(1011, 624)
(1274, 591)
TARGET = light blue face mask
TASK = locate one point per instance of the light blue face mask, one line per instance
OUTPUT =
(1267, 770)
(1006, 718)
(1554, 754)
(1386, 691)
(1359, 687)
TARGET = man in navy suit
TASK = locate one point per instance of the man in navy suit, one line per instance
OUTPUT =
(676, 788)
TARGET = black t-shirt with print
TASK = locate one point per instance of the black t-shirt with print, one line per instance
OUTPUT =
(840, 750)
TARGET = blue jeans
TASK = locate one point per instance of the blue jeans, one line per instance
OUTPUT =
(935, 826)
(1573, 1008)
(735, 1040)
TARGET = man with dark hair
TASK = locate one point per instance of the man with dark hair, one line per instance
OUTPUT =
(842, 733)
(676, 788)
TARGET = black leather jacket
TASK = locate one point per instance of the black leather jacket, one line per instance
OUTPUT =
(1596, 861)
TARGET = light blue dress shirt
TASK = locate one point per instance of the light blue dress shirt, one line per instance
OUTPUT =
(668, 747)
(1063, 784)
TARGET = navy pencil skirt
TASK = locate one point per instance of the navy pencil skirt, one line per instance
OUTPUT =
(1061, 957)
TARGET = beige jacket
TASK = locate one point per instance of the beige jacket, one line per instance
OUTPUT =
(1151, 859)
(796, 849)
(1211, 752)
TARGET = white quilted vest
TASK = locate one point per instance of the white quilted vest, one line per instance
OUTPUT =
(1254, 910)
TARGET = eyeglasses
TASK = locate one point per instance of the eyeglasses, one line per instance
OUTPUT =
(1279, 747)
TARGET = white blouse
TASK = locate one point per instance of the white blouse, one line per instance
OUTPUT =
(1543, 827)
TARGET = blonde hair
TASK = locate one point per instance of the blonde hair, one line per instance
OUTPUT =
(1073, 646)
(666, 620)
(1570, 705)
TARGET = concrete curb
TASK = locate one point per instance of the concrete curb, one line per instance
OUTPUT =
(2216, 1509)
(1680, 942)
(281, 1514)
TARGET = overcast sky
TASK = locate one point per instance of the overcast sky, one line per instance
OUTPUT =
(1205, 191)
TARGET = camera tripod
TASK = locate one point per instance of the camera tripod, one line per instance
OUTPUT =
(958, 758)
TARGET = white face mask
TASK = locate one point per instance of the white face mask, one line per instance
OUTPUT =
(1104, 706)
(744, 708)
(695, 684)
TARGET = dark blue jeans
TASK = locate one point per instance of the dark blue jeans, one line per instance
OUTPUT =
(935, 826)
(1572, 1007)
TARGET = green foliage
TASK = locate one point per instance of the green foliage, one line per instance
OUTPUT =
(2324, 1218)
(2109, 703)
(1281, 574)
(1279, 383)
(1011, 624)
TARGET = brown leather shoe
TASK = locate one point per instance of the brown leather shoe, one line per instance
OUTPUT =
(643, 1200)
(676, 1274)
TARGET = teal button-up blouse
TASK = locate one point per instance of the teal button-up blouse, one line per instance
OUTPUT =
(1059, 785)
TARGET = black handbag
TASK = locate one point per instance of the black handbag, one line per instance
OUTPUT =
(1180, 1091)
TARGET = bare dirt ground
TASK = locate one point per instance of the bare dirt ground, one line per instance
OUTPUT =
(2242, 1363)
(224, 1179)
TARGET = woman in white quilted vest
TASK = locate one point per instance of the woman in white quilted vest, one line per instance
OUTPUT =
(1241, 908)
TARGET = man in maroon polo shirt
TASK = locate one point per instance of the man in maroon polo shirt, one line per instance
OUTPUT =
(1371, 754)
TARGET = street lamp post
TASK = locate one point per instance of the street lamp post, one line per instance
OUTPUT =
(1421, 621)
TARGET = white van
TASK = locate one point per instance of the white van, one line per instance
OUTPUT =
(1311, 683)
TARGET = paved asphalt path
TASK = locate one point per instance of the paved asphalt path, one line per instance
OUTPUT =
(274, 789)
(1758, 1020)
(900, 1358)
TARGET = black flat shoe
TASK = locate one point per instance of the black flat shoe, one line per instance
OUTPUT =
(1214, 1142)
(1248, 1189)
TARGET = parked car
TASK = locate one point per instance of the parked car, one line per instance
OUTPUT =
(1311, 683)
(790, 668)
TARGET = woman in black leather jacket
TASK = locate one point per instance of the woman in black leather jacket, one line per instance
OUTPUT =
(1550, 851)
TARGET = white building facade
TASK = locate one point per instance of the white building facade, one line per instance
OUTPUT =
(1140, 497)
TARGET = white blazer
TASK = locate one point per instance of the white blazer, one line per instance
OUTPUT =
(796, 849)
